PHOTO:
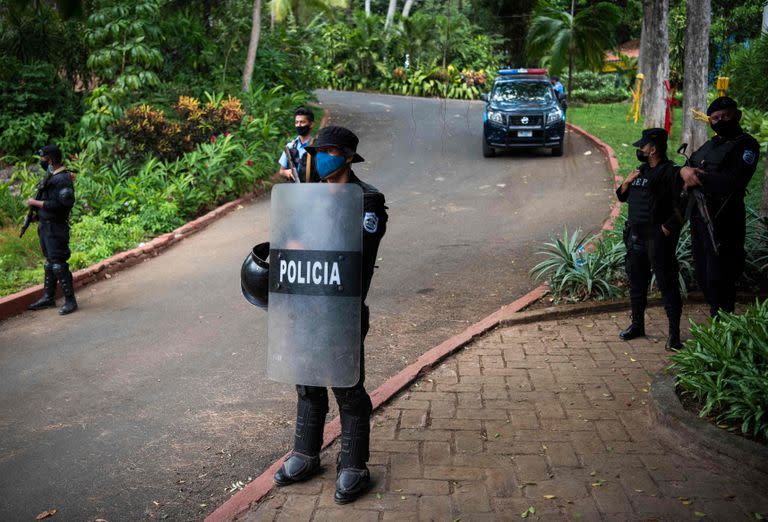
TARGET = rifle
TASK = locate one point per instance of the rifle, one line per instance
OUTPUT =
(696, 198)
(294, 172)
(33, 210)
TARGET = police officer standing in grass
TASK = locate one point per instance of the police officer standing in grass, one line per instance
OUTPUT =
(335, 150)
(304, 120)
(57, 197)
(651, 233)
(721, 170)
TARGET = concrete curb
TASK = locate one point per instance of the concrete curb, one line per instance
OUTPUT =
(17, 303)
(681, 429)
(258, 488)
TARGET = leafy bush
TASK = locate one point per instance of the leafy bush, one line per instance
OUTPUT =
(747, 69)
(755, 122)
(93, 239)
(145, 130)
(575, 273)
(35, 104)
(602, 95)
(725, 367)
(756, 247)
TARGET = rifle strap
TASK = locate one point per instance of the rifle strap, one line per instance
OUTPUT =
(309, 162)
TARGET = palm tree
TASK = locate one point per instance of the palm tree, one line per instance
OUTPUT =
(560, 38)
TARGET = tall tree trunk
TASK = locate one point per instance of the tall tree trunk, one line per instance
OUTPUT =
(699, 16)
(367, 8)
(272, 15)
(407, 8)
(765, 18)
(253, 45)
(390, 14)
(570, 54)
(655, 61)
(764, 202)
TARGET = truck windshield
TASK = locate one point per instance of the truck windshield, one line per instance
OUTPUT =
(525, 91)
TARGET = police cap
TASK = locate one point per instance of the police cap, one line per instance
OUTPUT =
(339, 137)
(656, 136)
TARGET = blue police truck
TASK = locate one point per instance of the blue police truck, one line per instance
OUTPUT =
(523, 111)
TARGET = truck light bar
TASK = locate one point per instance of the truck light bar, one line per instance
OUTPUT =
(510, 72)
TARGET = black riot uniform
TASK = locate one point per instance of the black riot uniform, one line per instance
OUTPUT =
(653, 199)
(354, 403)
(58, 195)
(728, 161)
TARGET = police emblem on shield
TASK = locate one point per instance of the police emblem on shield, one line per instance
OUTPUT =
(315, 284)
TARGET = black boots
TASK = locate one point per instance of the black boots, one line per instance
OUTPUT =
(297, 467)
(49, 291)
(67, 286)
(673, 341)
(352, 476)
(304, 461)
(54, 272)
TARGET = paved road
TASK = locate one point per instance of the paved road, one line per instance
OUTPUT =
(152, 399)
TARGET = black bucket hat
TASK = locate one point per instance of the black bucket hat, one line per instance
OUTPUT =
(655, 136)
(340, 137)
(52, 151)
(722, 103)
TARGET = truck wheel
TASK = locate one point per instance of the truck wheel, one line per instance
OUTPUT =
(557, 151)
(488, 151)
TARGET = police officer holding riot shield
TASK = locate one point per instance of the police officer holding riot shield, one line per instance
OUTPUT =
(651, 233)
(335, 150)
(721, 170)
(55, 201)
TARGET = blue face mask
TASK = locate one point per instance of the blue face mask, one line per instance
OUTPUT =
(328, 164)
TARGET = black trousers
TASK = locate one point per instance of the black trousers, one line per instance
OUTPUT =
(354, 408)
(54, 241)
(717, 274)
(650, 251)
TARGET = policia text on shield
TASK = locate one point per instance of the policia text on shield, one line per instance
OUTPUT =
(321, 271)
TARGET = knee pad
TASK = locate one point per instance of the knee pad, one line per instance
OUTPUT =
(60, 267)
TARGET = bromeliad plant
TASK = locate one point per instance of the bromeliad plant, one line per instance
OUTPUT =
(724, 366)
(580, 268)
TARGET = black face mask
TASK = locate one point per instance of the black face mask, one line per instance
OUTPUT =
(44, 165)
(726, 128)
(641, 156)
(302, 130)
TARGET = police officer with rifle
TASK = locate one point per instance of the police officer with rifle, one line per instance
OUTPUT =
(721, 170)
(52, 205)
(651, 233)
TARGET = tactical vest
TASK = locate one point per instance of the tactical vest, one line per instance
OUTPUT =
(710, 156)
(640, 199)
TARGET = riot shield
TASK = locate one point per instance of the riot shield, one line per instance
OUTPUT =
(315, 284)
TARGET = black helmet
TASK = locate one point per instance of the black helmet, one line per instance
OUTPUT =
(254, 276)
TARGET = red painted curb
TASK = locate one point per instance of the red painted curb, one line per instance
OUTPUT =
(613, 165)
(258, 488)
(14, 304)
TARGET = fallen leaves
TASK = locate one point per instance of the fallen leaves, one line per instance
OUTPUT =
(47, 513)
(528, 512)
(549, 497)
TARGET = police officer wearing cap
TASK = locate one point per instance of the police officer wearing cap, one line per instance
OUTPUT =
(335, 149)
(651, 233)
(721, 170)
(57, 196)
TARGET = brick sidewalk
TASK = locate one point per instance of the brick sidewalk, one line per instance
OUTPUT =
(551, 415)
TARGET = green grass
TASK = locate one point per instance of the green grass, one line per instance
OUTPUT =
(609, 123)
(21, 261)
